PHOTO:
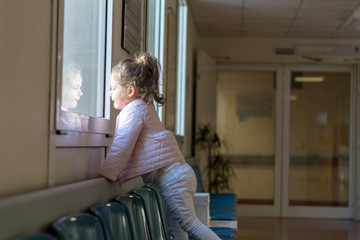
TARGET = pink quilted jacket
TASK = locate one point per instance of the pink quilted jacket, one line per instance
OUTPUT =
(141, 144)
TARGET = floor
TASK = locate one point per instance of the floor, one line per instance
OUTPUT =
(297, 229)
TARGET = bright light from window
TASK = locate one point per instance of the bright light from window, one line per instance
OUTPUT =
(84, 52)
(155, 37)
(181, 69)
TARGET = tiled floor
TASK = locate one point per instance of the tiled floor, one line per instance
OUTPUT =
(297, 229)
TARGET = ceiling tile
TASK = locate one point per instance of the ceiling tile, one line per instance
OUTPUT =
(313, 29)
(219, 12)
(329, 4)
(219, 33)
(256, 22)
(273, 18)
(270, 4)
(225, 20)
(324, 14)
(308, 35)
(316, 23)
(268, 13)
(265, 29)
(215, 3)
(220, 27)
(264, 35)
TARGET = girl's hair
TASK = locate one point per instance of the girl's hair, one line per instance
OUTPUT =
(70, 70)
(143, 73)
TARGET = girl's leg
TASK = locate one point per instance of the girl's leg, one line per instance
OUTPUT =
(177, 186)
(175, 228)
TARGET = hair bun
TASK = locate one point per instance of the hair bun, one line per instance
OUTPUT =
(146, 59)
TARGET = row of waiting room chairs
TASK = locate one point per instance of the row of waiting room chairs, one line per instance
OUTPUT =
(140, 215)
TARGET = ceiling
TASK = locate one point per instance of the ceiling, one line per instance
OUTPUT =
(274, 18)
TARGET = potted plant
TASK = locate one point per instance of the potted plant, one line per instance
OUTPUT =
(218, 167)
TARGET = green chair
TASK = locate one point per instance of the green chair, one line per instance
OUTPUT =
(36, 236)
(222, 205)
(137, 217)
(79, 226)
(199, 184)
(163, 210)
(115, 221)
(158, 228)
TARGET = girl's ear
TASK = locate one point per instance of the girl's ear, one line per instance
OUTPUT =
(131, 90)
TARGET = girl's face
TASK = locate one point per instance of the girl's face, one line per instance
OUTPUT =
(118, 94)
(71, 92)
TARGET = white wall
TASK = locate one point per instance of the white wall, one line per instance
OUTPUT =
(25, 34)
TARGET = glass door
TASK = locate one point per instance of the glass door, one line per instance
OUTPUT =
(249, 120)
(316, 142)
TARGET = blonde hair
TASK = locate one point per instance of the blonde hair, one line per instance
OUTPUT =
(143, 73)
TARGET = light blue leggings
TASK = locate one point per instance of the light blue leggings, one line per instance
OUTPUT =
(177, 185)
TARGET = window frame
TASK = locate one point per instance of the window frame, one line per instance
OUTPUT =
(97, 125)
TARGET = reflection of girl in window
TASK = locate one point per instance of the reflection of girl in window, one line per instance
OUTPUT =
(142, 146)
(71, 94)
(71, 87)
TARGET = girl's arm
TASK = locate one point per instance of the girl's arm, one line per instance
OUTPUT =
(101, 176)
(129, 128)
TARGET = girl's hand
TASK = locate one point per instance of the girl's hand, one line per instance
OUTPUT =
(101, 176)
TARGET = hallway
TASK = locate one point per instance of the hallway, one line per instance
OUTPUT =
(297, 229)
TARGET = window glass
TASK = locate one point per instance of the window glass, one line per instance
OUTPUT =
(246, 116)
(84, 47)
(83, 57)
(181, 74)
(155, 37)
(319, 139)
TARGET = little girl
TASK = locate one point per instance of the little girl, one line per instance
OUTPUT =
(142, 146)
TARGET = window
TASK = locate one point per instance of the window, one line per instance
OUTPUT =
(84, 65)
(181, 69)
(155, 36)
